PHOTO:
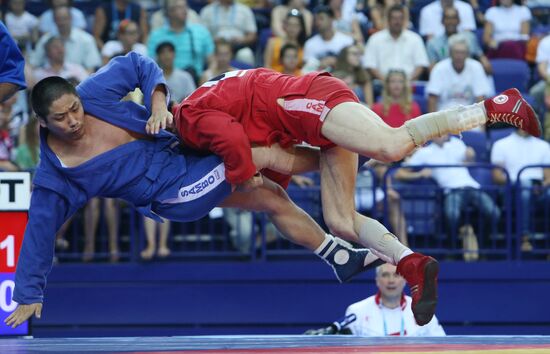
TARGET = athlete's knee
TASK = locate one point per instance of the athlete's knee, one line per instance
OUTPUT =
(341, 226)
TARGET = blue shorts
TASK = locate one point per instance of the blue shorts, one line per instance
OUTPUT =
(201, 189)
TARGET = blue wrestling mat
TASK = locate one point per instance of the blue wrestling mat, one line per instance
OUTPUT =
(282, 344)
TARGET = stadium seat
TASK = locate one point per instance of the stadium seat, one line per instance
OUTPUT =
(509, 73)
(478, 141)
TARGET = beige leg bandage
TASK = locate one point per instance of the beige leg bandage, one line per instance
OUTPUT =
(449, 121)
(381, 242)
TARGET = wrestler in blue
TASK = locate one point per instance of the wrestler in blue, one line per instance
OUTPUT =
(12, 65)
(94, 144)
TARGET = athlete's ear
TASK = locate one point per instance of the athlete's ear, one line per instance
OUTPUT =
(42, 122)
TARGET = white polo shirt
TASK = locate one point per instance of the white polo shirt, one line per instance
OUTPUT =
(458, 88)
(376, 320)
(507, 22)
(515, 152)
(318, 48)
(453, 152)
(406, 52)
(431, 15)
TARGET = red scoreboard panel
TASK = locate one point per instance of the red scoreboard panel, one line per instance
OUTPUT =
(14, 204)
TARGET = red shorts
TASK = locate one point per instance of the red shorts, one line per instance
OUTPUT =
(309, 111)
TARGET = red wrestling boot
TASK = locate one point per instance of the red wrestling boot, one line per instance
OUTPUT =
(509, 107)
(420, 272)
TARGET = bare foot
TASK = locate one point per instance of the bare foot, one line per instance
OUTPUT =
(163, 252)
(114, 257)
(147, 254)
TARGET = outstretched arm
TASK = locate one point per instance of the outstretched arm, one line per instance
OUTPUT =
(48, 211)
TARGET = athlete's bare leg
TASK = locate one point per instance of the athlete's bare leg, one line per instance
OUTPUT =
(298, 227)
(338, 175)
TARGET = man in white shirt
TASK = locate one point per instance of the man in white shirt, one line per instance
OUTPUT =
(431, 15)
(460, 189)
(388, 313)
(458, 80)
(327, 43)
(80, 46)
(56, 64)
(395, 48)
(513, 153)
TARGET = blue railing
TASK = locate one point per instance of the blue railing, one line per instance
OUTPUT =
(252, 237)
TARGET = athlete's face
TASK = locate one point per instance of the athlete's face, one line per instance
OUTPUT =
(389, 283)
(65, 119)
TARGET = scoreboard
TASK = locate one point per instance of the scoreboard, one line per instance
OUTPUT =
(14, 205)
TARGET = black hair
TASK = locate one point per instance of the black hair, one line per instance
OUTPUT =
(165, 45)
(48, 90)
(324, 9)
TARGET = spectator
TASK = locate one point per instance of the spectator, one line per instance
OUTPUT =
(460, 189)
(159, 18)
(507, 28)
(438, 46)
(235, 23)
(180, 82)
(91, 220)
(17, 117)
(458, 80)
(397, 104)
(367, 197)
(221, 62)
(80, 47)
(28, 149)
(347, 20)
(513, 153)
(388, 313)
(431, 16)
(395, 48)
(56, 64)
(128, 35)
(541, 90)
(47, 22)
(294, 33)
(22, 25)
(280, 12)
(151, 227)
(325, 46)
(378, 12)
(6, 142)
(193, 42)
(109, 15)
(289, 57)
(349, 61)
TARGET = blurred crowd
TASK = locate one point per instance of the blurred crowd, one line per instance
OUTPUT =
(401, 58)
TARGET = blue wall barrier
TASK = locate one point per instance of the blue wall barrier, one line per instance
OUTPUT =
(275, 297)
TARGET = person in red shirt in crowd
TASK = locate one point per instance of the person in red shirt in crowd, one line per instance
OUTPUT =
(259, 107)
(397, 105)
